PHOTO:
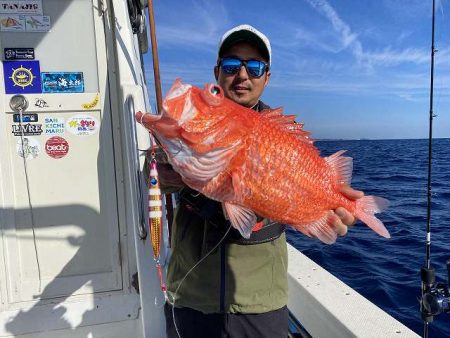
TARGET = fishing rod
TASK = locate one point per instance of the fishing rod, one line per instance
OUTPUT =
(435, 296)
(157, 77)
(156, 73)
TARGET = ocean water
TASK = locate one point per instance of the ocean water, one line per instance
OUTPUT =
(387, 272)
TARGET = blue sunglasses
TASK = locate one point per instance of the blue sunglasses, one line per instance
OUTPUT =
(231, 66)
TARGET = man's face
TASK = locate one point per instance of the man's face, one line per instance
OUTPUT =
(241, 87)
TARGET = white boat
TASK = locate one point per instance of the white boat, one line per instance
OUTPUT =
(72, 260)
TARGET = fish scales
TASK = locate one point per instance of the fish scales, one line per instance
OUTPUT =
(309, 186)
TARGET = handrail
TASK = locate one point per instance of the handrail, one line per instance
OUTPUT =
(142, 230)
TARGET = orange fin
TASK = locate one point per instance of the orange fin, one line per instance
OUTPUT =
(322, 228)
(366, 207)
(342, 166)
(241, 218)
(272, 112)
(287, 123)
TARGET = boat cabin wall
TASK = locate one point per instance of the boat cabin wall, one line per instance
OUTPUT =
(69, 162)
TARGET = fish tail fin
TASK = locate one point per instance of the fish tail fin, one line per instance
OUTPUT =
(366, 207)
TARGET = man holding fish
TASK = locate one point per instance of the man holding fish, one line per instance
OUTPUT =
(231, 280)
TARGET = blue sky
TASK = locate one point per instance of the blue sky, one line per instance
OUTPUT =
(348, 69)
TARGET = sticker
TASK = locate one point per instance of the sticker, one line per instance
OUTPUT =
(12, 23)
(37, 23)
(19, 53)
(62, 82)
(82, 125)
(91, 104)
(21, 7)
(27, 129)
(24, 23)
(29, 149)
(22, 77)
(54, 126)
(41, 103)
(25, 118)
(56, 147)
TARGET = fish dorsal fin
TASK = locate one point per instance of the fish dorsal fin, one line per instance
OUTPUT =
(272, 112)
(241, 218)
(287, 123)
(342, 166)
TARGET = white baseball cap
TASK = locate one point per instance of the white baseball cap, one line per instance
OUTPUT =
(245, 33)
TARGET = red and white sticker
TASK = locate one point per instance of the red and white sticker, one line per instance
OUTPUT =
(56, 147)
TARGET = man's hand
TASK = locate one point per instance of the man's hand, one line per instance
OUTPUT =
(343, 217)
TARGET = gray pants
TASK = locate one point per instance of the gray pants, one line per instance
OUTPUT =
(195, 324)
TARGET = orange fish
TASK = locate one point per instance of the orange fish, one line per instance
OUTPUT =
(256, 163)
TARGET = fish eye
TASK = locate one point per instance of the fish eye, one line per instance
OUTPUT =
(212, 94)
(215, 90)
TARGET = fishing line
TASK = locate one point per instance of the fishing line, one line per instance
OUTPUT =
(187, 274)
(166, 150)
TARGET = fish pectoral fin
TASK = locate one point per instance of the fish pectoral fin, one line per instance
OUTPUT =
(240, 217)
(322, 228)
(342, 166)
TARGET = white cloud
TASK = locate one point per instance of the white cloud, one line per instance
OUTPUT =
(389, 57)
(201, 31)
(347, 38)
(401, 72)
